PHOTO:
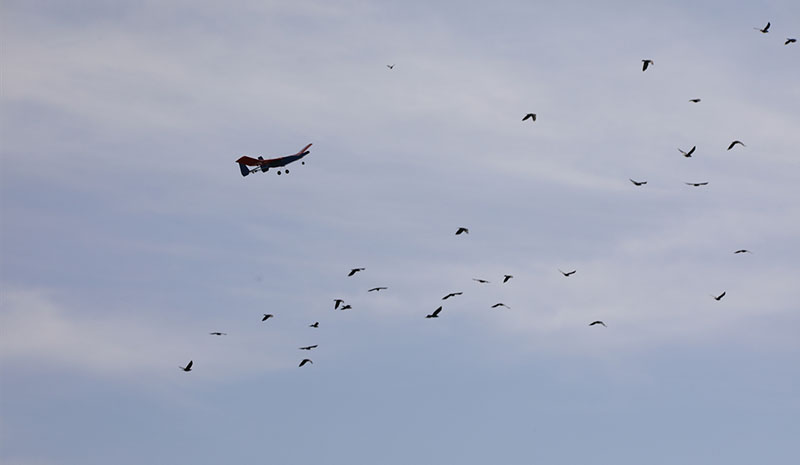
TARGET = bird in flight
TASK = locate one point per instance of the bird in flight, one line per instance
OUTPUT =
(452, 294)
(736, 142)
(188, 366)
(346, 307)
(506, 277)
(337, 302)
(306, 360)
(789, 41)
(267, 316)
(435, 313)
(217, 333)
(308, 347)
(689, 153)
(569, 273)
(530, 116)
(355, 270)
(482, 281)
(500, 304)
(462, 230)
(695, 100)
(314, 325)
(390, 66)
(696, 184)
(719, 297)
(377, 289)
(646, 63)
(637, 183)
(764, 30)
(598, 322)
(742, 251)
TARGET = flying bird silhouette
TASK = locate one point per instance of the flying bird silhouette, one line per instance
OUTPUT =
(435, 313)
(452, 294)
(305, 360)
(696, 184)
(506, 277)
(337, 302)
(482, 281)
(390, 66)
(346, 307)
(309, 347)
(267, 316)
(314, 325)
(569, 273)
(217, 333)
(736, 142)
(695, 100)
(637, 183)
(500, 304)
(530, 116)
(188, 366)
(718, 297)
(462, 230)
(377, 289)
(689, 153)
(646, 63)
(598, 322)
(764, 30)
(789, 41)
(355, 270)
(742, 251)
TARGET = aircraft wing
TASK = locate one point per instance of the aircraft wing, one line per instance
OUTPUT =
(249, 161)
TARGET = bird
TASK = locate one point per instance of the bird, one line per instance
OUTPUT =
(308, 347)
(689, 153)
(637, 183)
(719, 297)
(377, 289)
(305, 360)
(435, 313)
(645, 63)
(337, 302)
(217, 333)
(598, 322)
(314, 325)
(462, 230)
(506, 277)
(695, 100)
(188, 366)
(390, 66)
(346, 307)
(355, 270)
(696, 184)
(789, 41)
(500, 304)
(569, 273)
(452, 294)
(530, 116)
(267, 316)
(764, 30)
(742, 251)
(736, 142)
(482, 281)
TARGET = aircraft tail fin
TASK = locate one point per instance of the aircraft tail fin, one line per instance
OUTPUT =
(244, 169)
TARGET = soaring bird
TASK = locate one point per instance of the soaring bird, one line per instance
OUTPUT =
(598, 322)
(452, 294)
(789, 41)
(188, 366)
(763, 31)
(695, 100)
(637, 183)
(337, 302)
(506, 277)
(462, 230)
(377, 289)
(482, 281)
(390, 66)
(719, 297)
(530, 116)
(569, 273)
(308, 347)
(500, 304)
(267, 316)
(346, 307)
(736, 142)
(696, 184)
(646, 63)
(435, 313)
(689, 153)
(355, 270)
(306, 360)
(217, 333)
(314, 325)
(742, 251)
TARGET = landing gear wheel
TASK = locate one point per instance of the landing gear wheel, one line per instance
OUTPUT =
(287, 171)
(279, 173)
(302, 163)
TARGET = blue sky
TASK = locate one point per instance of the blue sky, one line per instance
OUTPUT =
(127, 233)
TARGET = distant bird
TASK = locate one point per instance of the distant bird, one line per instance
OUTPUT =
(462, 230)
(217, 333)
(188, 366)
(435, 313)
(506, 277)
(346, 307)
(482, 281)
(695, 100)
(763, 31)
(530, 116)
(452, 294)
(267, 316)
(696, 184)
(390, 66)
(355, 270)
(689, 153)
(377, 289)
(309, 347)
(637, 183)
(742, 251)
(598, 322)
(718, 297)
(646, 63)
(789, 41)
(337, 302)
(500, 304)
(569, 273)
(315, 325)
(305, 360)
(736, 142)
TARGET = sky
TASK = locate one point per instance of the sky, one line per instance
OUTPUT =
(127, 233)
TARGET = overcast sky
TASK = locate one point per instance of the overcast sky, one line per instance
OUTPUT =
(127, 233)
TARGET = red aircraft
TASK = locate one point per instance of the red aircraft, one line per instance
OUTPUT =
(264, 165)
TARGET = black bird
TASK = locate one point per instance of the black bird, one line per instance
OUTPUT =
(695, 100)
(337, 302)
(217, 333)
(355, 270)
(689, 153)
(530, 116)
(736, 142)
(696, 184)
(789, 41)
(719, 297)
(188, 366)
(569, 273)
(765, 30)
(390, 66)
(637, 183)
(315, 325)
(506, 277)
(308, 347)
(267, 316)
(482, 281)
(742, 251)
(306, 360)
(500, 304)
(598, 322)
(435, 313)
(346, 307)
(377, 289)
(452, 294)
(645, 63)
(462, 230)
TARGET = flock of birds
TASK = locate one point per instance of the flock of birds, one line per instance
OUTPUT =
(341, 305)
